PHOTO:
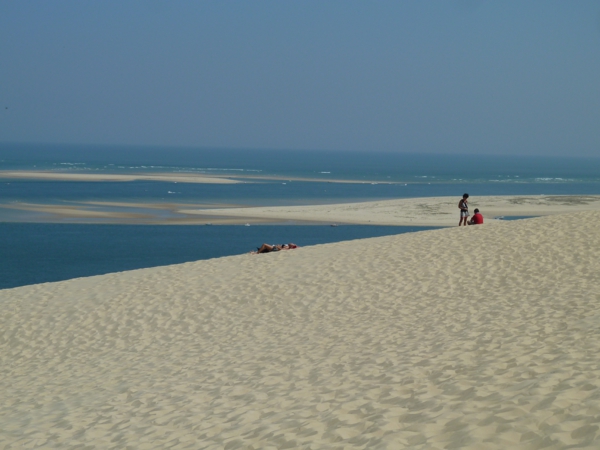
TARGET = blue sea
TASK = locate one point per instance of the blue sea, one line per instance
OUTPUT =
(33, 250)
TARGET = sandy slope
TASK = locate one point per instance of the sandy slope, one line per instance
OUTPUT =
(482, 337)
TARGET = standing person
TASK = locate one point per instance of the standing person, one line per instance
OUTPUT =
(477, 218)
(463, 205)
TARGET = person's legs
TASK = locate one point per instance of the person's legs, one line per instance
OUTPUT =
(265, 248)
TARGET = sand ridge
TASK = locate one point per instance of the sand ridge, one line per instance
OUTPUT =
(480, 337)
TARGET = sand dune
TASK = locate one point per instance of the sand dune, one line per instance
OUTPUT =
(426, 211)
(481, 337)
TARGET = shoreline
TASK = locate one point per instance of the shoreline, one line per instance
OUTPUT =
(423, 211)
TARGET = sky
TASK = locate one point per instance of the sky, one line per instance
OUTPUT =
(454, 76)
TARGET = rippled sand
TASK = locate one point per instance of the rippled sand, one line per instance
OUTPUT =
(483, 337)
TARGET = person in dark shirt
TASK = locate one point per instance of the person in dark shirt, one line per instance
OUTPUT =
(477, 218)
(463, 205)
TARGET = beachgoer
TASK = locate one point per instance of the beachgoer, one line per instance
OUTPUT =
(477, 218)
(463, 205)
(268, 248)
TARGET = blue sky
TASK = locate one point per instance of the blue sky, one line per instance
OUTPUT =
(463, 76)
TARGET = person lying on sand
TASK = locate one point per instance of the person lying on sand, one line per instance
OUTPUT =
(477, 218)
(267, 248)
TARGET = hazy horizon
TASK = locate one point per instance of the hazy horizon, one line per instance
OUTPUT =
(165, 147)
(440, 77)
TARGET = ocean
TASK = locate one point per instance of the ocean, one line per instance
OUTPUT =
(33, 250)
(45, 252)
(377, 167)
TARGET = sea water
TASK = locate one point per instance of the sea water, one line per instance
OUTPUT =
(378, 167)
(39, 252)
(44, 252)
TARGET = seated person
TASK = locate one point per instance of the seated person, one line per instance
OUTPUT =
(267, 248)
(477, 218)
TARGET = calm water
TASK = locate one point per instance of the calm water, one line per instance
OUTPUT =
(315, 164)
(33, 253)
(273, 193)
(412, 175)
(37, 253)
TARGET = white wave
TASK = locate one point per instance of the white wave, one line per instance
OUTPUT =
(553, 179)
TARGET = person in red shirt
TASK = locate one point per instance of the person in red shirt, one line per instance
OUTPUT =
(477, 218)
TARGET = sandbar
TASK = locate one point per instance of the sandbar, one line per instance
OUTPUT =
(180, 177)
(315, 179)
(115, 213)
(426, 211)
(481, 337)
(96, 177)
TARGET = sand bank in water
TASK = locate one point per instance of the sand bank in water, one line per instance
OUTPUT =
(95, 177)
(427, 211)
(480, 337)
(113, 212)
(183, 177)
